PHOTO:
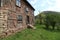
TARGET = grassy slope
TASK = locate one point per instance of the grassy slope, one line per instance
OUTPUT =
(38, 34)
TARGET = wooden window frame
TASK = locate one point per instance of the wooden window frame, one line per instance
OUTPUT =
(1, 3)
(18, 3)
(19, 18)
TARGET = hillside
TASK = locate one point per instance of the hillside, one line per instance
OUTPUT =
(45, 13)
(48, 12)
(38, 34)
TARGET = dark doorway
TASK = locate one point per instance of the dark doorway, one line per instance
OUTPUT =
(0, 3)
(28, 21)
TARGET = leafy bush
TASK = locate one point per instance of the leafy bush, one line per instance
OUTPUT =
(49, 18)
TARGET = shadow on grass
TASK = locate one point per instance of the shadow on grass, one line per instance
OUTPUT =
(39, 26)
(51, 30)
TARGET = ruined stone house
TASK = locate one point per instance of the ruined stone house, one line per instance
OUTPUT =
(15, 15)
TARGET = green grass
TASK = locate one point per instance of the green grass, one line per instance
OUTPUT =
(38, 34)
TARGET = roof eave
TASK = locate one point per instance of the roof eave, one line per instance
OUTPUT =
(29, 4)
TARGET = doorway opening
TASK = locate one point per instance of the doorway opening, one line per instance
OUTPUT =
(28, 20)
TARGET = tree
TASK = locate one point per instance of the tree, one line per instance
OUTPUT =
(52, 19)
(49, 18)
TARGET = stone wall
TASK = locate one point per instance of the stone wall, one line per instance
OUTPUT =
(3, 21)
(8, 17)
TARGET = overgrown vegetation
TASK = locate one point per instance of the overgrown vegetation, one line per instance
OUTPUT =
(49, 18)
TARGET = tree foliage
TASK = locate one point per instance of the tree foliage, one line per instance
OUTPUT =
(49, 18)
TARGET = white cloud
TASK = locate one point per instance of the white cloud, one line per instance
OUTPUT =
(45, 5)
(56, 6)
(33, 1)
(46, 2)
(51, 5)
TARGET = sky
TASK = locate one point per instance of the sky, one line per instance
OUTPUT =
(45, 5)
